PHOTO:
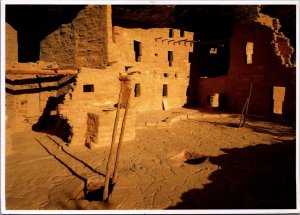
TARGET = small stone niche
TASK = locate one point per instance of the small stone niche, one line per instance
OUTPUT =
(170, 58)
(137, 90)
(88, 88)
(165, 90)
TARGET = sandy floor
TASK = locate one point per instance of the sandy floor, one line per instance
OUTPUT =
(251, 167)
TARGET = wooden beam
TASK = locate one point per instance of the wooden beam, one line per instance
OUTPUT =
(24, 71)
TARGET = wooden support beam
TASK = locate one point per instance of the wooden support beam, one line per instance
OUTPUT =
(37, 71)
(157, 38)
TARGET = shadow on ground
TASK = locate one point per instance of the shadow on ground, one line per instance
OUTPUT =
(254, 177)
(95, 195)
(267, 128)
(50, 122)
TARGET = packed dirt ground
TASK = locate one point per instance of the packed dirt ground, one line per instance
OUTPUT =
(202, 161)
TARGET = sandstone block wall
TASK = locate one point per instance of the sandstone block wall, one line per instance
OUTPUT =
(27, 95)
(11, 43)
(82, 43)
(25, 100)
(268, 69)
(153, 70)
(102, 51)
(98, 102)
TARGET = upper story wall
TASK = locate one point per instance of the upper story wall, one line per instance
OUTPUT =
(82, 43)
(11, 43)
(151, 49)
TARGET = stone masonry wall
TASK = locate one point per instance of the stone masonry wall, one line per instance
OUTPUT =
(27, 94)
(82, 43)
(268, 70)
(25, 99)
(102, 51)
(152, 70)
(99, 103)
(11, 43)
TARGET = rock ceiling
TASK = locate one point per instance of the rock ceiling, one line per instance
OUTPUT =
(212, 21)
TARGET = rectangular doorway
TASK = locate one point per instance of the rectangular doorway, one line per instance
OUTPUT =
(278, 99)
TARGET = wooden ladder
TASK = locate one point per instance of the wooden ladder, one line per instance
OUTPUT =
(123, 102)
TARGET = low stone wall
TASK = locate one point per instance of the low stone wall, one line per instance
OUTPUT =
(90, 108)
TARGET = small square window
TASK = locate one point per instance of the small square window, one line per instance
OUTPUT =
(88, 88)
(166, 75)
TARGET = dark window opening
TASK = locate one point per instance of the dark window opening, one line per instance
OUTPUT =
(138, 50)
(175, 75)
(156, 55)
(215, 59)
(166, 75)
(181, 33)
(165, 90)
(137, 90)
(171, 32)
(170, 57)
(88, 88)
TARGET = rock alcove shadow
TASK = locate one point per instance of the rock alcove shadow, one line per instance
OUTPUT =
(254, 177)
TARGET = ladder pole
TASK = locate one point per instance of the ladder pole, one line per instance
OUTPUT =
(108, 170)
(249, 99)
(245, 109)
(115, 174)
